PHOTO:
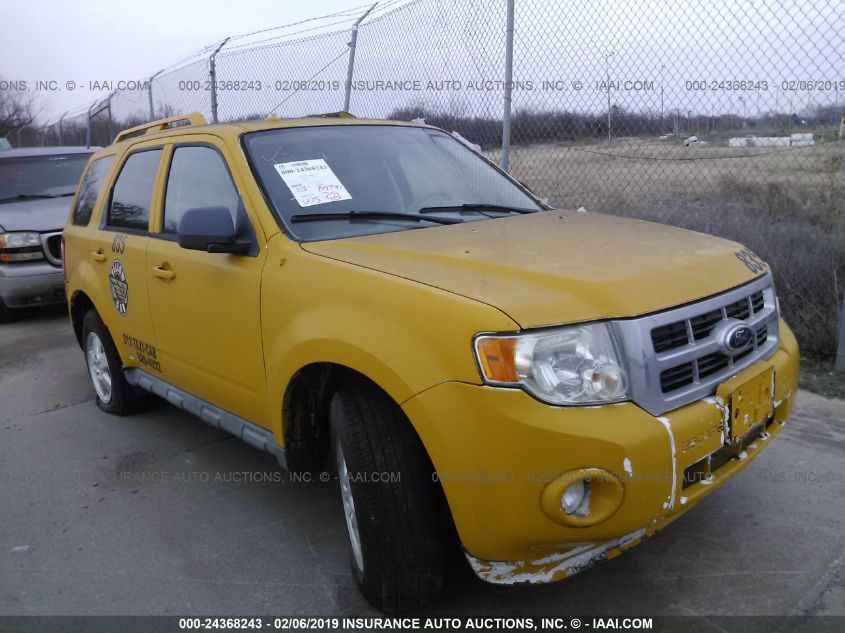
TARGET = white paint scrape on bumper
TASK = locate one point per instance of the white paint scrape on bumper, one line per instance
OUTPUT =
(553, 567)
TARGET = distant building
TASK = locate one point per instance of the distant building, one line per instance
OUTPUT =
(795, 140)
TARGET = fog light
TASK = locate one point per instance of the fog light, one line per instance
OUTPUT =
(583, 497)
(573, 497)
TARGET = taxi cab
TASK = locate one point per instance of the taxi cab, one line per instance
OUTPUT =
(545, 387)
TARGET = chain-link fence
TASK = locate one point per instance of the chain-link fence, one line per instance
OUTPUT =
(724, 117)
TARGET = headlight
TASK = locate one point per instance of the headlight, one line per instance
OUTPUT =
(571, 365)
(19, 240)
(22, 246)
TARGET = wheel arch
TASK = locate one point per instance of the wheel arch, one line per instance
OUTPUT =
(305, 411)
(79, 304)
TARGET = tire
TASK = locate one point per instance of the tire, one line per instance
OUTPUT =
(398, 558)
(113, 394)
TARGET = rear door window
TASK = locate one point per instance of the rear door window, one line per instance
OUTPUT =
(133, 192)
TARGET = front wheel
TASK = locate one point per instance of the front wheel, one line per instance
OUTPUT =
(390, 501)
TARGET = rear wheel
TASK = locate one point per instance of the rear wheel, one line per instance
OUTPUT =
(114, 394)
(390, 501)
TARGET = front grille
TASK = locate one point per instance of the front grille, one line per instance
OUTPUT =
(52, 243)
(702, 325)
(677, 356)
(683, 375)
(677, 377)
(699, 327)
(670, 336)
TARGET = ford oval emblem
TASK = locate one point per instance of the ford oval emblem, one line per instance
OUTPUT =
(737, 338)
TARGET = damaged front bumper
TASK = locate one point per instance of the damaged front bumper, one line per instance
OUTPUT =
(498, 452)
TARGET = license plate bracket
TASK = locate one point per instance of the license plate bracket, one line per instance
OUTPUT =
(750, 403)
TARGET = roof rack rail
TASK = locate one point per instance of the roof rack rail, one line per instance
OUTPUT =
(340, 114)
(182, 120)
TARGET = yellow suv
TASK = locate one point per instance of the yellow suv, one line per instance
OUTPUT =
(547, 387)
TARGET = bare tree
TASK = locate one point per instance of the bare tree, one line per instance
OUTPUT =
(17, 110)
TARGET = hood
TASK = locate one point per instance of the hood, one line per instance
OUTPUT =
(42, 215)
(556, 266)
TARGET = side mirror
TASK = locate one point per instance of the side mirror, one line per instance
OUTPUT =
(210, 229)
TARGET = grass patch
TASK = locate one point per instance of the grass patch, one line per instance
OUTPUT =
(819, 377)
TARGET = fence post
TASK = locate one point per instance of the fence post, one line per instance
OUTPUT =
(18, 134)
(212, 75)
(840, 352)
(150, 95)
(607, 57)
(506, 116)
(353, 42)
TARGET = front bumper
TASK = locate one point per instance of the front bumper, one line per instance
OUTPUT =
(496, 450)
(27, 284)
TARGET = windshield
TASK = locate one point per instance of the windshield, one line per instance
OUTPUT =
(46, 176)
(363, 178)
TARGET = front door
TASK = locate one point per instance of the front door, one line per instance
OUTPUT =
(206, 306)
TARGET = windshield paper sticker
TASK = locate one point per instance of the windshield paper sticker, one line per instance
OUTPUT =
(312, 182)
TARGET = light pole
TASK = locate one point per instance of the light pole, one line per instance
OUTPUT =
(607, 57)
(662, 68)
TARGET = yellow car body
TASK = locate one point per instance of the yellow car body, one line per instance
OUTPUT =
(403, 309)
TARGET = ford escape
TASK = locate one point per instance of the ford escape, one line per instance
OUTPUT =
(550, 387)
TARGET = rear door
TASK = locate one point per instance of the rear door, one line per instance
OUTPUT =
(206, 306)
(118, 251)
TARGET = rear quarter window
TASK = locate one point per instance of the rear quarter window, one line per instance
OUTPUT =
(89, 190)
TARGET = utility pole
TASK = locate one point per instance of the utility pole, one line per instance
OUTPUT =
(506, 116)
(353, 43)
(111, 120)
(61, 129)
(88, 126)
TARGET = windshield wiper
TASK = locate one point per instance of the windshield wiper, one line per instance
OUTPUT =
(370, 215)
(37, 196)
(479, 207)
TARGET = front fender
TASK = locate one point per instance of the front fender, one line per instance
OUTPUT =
(403, 335)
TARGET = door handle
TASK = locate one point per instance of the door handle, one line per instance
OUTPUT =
(99, 256)
(163, 273)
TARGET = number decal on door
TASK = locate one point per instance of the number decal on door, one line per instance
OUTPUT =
(118, 244)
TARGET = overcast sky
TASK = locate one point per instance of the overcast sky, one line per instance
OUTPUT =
(84, 40)
(676, 54)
